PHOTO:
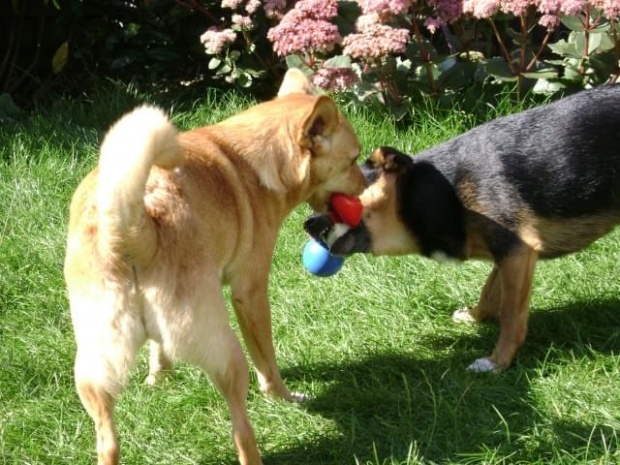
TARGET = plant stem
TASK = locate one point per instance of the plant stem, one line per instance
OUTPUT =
(614, 32)
(197, 6)
(502, 46)
(542, 47)
(426, 56)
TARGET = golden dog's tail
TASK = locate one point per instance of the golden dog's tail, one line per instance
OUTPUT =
(139, 140)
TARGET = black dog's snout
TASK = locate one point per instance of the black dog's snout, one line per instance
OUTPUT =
(317, 225)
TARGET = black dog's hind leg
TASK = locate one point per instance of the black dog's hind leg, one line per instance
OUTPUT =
(513, 285)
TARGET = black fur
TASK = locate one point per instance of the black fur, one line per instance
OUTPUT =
(560, 161)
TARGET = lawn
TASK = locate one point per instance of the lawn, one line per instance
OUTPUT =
(374, 346)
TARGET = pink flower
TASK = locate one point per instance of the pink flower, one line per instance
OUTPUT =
(611, 8)
(334, 78)
(319, 9)
(481, 8)
(549, 6)
(516, 7)
(301, 30)
(432, 24)
(252, 6)
(274, 8)
(382, 7)
(549, 21)
(365, 21)
(216, 41)
(244, 22)
(375, 42)
(232, 4)
(447, 10)
(572, 7)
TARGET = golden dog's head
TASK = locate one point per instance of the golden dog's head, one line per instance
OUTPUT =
(299, 144)
(327, 141)
(319, 149)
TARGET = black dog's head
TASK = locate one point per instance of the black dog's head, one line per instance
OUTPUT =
(381, 231)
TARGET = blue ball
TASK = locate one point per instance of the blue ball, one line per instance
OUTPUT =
(319, 261)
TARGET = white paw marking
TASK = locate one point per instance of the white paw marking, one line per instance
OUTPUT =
(299, 397)
(483, 365)
(463, 316)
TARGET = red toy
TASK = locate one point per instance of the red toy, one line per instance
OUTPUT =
(345, 213)
(346, 209)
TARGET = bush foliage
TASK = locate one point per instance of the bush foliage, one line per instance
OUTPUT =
(388, 51)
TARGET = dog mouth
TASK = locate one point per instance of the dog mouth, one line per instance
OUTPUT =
(343, 242)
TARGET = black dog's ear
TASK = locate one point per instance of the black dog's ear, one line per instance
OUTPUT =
(390, 160)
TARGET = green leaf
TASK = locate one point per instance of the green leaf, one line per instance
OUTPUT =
(600, 43)
(163, 54)
(459, 75)
(339, 61)
(542, 73)
(545, 87)
(295, 61)
(224, 69)
(564, 49)
(500, 70)
(214, 63)
(573, 23)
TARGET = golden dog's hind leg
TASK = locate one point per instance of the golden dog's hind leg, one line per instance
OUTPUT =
(516, 273)
(489, 303)
(159, 362)
(108, 335)
(251, 304)
(206, 339)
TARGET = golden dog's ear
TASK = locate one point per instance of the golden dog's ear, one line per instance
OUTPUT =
(320, 123)
(295, 81)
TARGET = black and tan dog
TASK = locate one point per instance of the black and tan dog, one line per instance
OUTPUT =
(539, 184)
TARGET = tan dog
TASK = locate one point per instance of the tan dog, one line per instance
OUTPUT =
(168, 218)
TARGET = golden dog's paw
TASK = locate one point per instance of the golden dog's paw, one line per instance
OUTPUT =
(282, 393)
(484, 365)
(151, 379)
(463, 315)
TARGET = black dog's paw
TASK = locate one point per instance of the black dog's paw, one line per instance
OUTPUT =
(318, 226)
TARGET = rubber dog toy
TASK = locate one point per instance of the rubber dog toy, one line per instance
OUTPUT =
(345, 212)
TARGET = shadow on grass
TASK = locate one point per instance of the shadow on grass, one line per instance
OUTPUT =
(386, 402)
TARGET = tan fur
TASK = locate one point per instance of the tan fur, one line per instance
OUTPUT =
(506, 293)
(390, 237)
(167, 219)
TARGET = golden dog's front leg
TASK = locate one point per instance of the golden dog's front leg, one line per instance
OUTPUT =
(249, 296)
(515, 274)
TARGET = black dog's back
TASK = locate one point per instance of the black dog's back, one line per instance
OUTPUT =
(563, 158)
(554, 163)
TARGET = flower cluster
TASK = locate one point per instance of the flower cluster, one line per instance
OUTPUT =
(215, 41)
(375, 41)
(334, 78)
(306, 28)
(446, 11)
(549, 10)
(385, 7)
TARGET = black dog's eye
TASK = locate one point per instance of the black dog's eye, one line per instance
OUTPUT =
(370, 171)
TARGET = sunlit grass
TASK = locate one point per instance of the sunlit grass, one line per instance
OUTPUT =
(374, 346)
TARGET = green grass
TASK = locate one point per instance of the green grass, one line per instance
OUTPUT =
(374, 346)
